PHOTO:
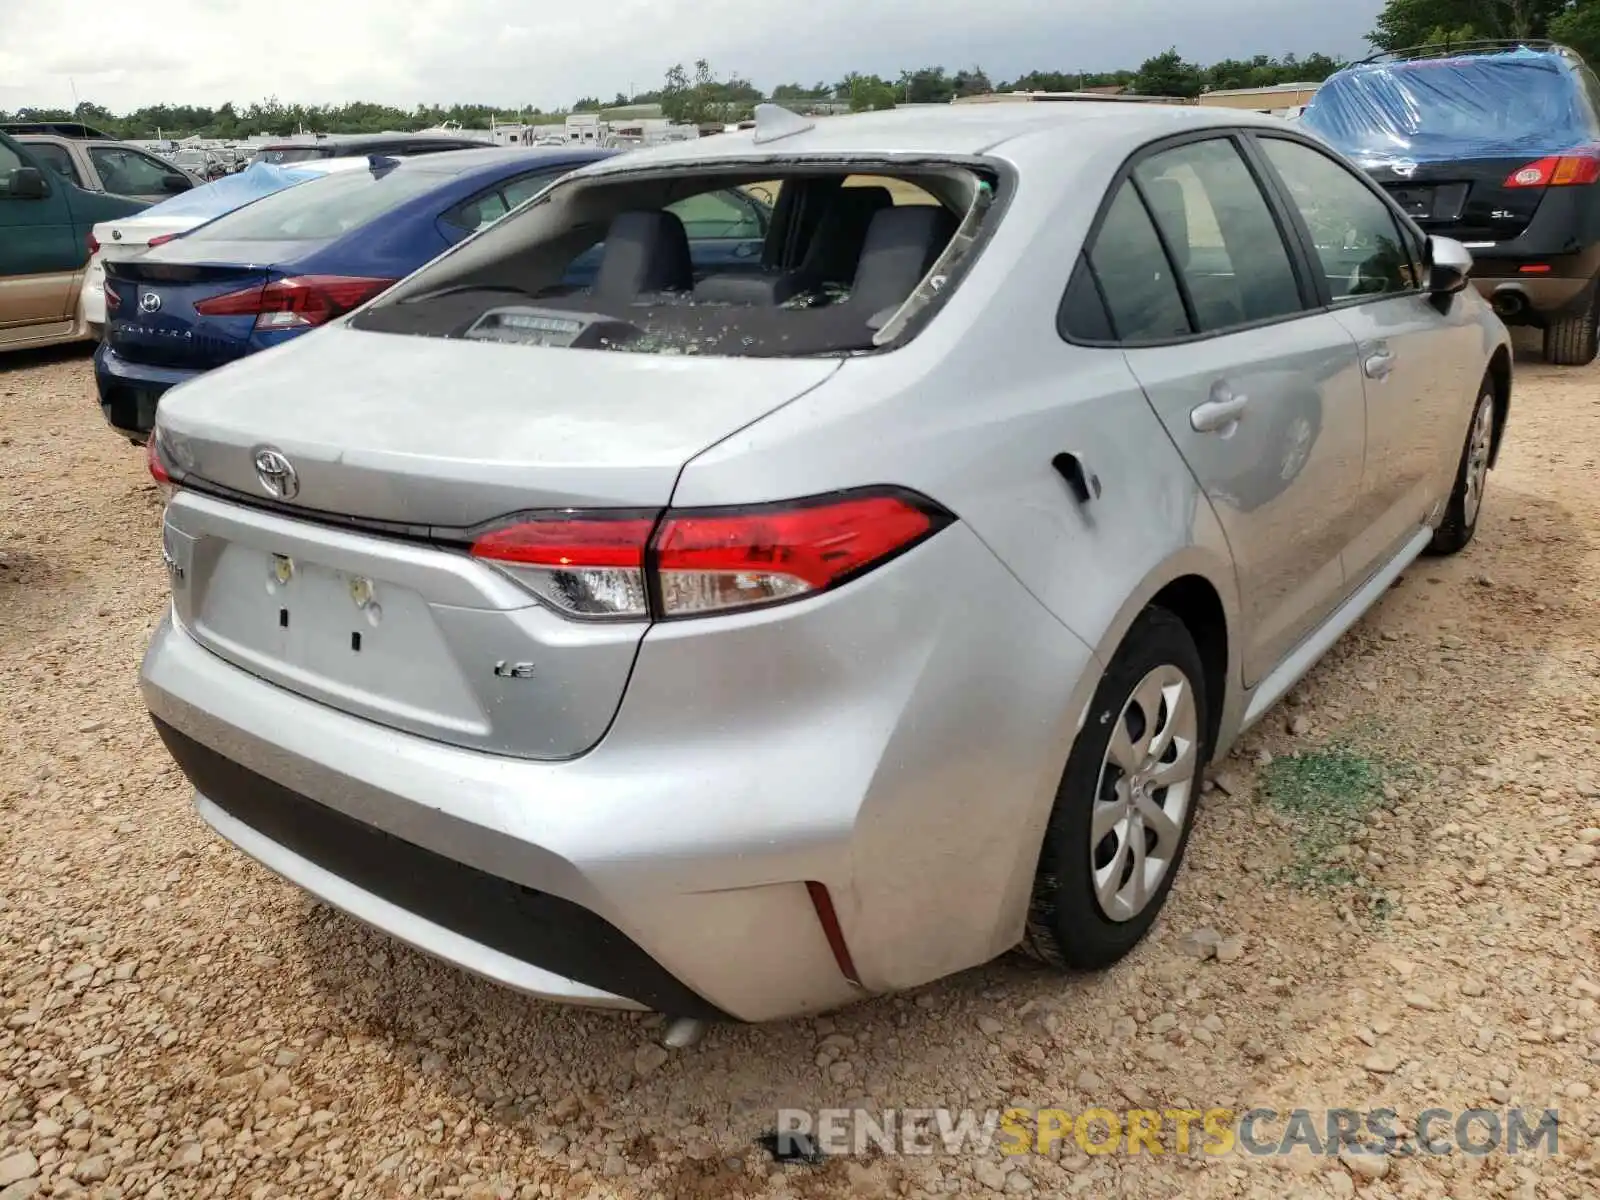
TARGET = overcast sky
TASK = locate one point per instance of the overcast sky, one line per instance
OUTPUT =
(125, 54)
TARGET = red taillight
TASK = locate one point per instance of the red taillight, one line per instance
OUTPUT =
(113, 301)
(166, 483)
(585, 566)
(702, 562)
(94, 245)
(707, 563)
(1558, 170)
(161, 239)
(152, 458)
(298, 303)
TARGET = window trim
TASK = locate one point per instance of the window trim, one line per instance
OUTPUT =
(1290, 232)
(1404, 225)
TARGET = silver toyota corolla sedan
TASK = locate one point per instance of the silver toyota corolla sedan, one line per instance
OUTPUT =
(736, 609)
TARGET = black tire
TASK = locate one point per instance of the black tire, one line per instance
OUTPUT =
(1458, 526)
(1067, 925)
(1574, 340)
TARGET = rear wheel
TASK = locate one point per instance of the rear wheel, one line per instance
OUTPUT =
(1126, 801)
(1472, 477)
(1574, 340)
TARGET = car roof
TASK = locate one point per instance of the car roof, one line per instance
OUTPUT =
(66, 129)
(371, 139)
(950, 130)
(460, 162)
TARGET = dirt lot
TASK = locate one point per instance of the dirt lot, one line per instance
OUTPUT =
(1403, 862)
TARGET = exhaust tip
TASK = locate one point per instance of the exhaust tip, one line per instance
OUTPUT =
(1509, 303)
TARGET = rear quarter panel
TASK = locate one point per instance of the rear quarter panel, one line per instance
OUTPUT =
(971, 413)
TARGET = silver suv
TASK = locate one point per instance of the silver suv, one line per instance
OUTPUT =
(640, 621)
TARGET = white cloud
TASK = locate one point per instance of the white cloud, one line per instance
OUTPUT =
(542, 53)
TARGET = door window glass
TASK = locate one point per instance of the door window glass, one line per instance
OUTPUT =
(1135, 275)
(57, 158)
(473, 215)
(529, 186)
(9, 160)
(127, 172)
(1357, 238)
(717, 215)
(1220, 230)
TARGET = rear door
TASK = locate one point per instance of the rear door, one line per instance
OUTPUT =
(1421, 366)
(40, 251)
(1260, 393)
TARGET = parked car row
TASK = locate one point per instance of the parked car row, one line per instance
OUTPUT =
(130, 236)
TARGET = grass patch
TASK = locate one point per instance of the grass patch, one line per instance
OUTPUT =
(1327, 795)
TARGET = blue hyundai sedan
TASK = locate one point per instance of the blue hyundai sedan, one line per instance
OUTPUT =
(295, 260)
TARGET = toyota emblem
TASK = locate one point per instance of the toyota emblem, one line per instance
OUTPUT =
(276, 473)
(149, 302)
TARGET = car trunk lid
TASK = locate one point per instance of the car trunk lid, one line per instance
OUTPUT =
(357, 591)
(433, 432)
(151, 300)
(1471, 200)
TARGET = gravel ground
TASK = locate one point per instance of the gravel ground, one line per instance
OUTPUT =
(176, 1022)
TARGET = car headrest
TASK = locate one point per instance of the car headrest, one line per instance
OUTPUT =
(644, 252)
(1172, 213)
(901, 244)
(837, 242)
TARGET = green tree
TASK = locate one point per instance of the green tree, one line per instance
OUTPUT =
(866, 93)
(1168, 75)
(1404, 23)
(1579, 27)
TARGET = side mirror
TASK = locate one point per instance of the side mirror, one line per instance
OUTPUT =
(1449, 266)
(176, 183)
(27, 183)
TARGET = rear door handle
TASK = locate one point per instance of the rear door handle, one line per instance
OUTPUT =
(1378, 364)
(1219, 413)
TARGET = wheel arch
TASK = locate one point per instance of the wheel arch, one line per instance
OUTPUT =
(1500, 380)
(1198, 586)
(1194, 600)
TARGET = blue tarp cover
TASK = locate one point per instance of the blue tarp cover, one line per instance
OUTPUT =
(231, 191)
(1519, 102)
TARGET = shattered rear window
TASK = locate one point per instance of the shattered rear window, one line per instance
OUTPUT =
(810, 264)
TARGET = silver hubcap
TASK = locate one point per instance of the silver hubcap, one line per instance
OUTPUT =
(1294, 457)
(1145, 787)
(1477, 460)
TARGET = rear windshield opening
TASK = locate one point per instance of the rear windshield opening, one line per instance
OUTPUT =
(319, 209)
(806, 262)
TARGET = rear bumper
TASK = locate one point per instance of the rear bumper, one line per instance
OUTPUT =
(428, 901)
(1526, 286)
(130, 391)
(904, 757)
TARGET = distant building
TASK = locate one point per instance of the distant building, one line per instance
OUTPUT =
(1278, 99)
